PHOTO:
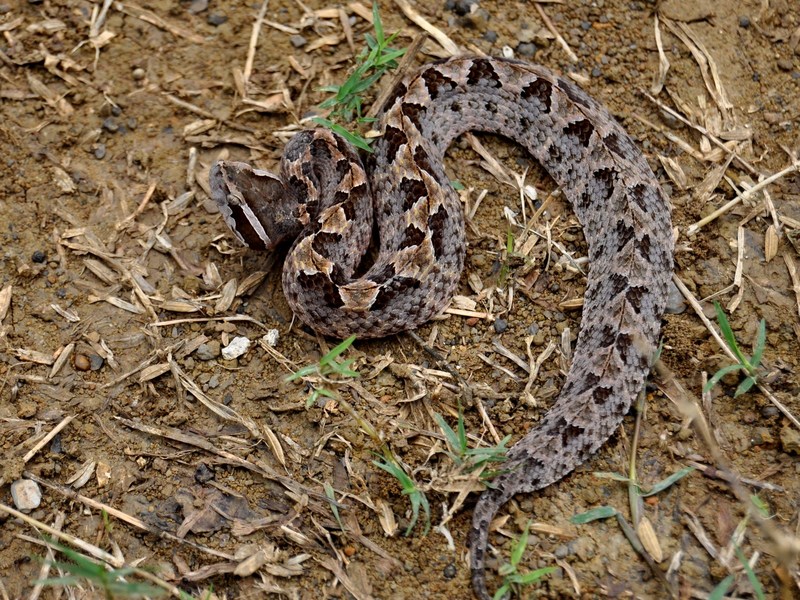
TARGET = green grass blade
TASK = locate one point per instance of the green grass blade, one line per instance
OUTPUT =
(520, 546)
(337, 350)
(727, 333)
(719, 375)
(451, 437)
(601, 512)
(760, 506)
(744, 386)
(757, 589)
(356, 140)
(534, 576)
(501, 592)
(331, 495)
(665, 483)
(758, 349)
(376, 24)
(719, 591)
(462, 433)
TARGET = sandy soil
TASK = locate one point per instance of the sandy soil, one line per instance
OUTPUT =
(120, 284)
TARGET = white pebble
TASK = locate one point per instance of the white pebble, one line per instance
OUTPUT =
(26, 494)
(271, 338)
(238, 346)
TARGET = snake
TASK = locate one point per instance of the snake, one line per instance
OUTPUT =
(378, 244)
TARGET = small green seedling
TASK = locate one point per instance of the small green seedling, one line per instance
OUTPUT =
(327, 369)
(112, 582)
(415, 495)
(748, 365)
(347, 101)
(464, 456)
(513, 580)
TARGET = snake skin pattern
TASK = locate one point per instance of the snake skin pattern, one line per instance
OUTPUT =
(329, 203)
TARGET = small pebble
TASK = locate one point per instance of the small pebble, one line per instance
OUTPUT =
(38, 256)
(116, 110)
(238, 346)
(490, 36)
(208, 351)
(500, 325)
(785, 64)
(271, 337)
(450, 571)
(596, 72)
(197, 6)
(585, 25)
(82, 362)
(460, 7)
(216, 19)
(744, 22)
(100, 151)
(95, 362)
(676, 303)
(769, 411)
(26, 494)
(533, 328)
(298, 41)
(527, 49)
(139, 74)
(203, 473)
(790, 440)
(110, 124)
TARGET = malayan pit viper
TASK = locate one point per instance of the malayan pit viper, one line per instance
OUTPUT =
(328, 202)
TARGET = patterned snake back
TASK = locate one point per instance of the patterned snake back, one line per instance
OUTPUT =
(329, 202)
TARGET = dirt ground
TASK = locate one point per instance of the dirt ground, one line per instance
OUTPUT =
(121, 285)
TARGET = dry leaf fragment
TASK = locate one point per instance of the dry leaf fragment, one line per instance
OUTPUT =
(5, 301)
(770, 243)
(153, 371)
(674, 171)
(647, 536)
(34, 356)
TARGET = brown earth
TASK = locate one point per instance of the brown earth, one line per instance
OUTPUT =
(116, 266)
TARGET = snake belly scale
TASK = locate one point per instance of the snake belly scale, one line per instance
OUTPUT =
(328, 201)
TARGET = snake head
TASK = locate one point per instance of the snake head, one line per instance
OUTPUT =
(254, 204)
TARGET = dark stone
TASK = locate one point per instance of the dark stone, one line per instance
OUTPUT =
(217, 19)
(95, 362)
(527, 49)
(203, 473)
(38, 256)
(500, 325)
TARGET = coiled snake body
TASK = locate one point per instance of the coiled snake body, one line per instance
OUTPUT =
(330, 202)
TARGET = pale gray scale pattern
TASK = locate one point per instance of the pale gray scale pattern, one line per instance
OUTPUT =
(625, 215)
